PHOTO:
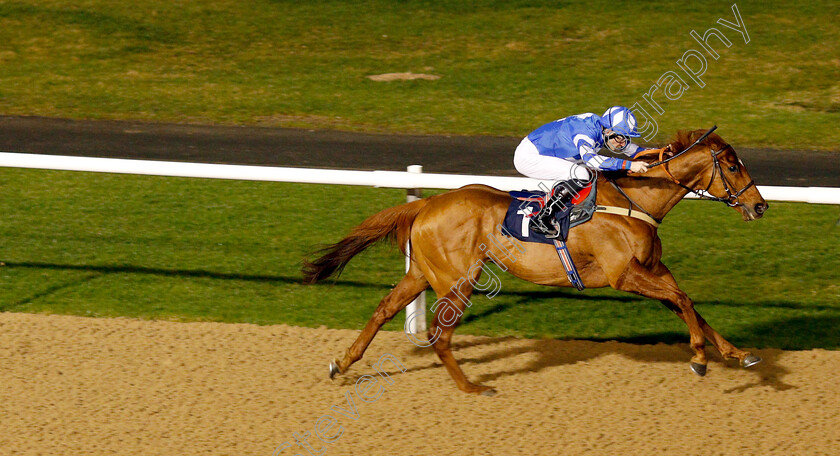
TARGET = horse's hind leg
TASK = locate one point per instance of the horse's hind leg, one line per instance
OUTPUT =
(409, 288)
(448, 312)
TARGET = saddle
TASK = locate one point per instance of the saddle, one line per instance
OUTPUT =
(526, 204)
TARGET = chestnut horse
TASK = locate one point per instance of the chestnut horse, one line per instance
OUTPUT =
(446, 233)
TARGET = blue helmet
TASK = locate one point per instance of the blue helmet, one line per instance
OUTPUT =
(620, 120)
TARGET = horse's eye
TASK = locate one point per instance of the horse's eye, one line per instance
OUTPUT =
(733, 168)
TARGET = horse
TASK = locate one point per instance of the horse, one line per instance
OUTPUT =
(448, 238)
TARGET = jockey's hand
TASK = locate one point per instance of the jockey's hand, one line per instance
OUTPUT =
(638, 167)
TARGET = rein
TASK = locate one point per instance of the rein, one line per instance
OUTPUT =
(699, 140)
(731, 197)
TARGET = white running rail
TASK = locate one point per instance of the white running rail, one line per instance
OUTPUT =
(388, 179)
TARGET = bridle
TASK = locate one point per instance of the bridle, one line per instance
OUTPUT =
(731, 198)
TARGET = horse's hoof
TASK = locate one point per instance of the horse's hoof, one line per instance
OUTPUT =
(699, 369)
(489, 392)
(334, 370)
(750, 360)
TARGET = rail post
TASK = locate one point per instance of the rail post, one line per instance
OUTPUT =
(418, 306)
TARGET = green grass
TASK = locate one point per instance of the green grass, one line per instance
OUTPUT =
(506, 66)
(190, 250)
(229, 251)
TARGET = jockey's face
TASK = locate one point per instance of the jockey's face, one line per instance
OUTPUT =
(617, 142)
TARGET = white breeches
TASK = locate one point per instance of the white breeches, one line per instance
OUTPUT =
(529, 162)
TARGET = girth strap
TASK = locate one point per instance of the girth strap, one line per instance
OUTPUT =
(627, 213)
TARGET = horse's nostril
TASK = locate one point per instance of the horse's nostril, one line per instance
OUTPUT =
(760, 208)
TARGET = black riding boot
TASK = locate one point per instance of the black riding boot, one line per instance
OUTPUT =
(561, 198)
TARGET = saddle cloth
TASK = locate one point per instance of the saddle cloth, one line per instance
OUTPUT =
(526, 204)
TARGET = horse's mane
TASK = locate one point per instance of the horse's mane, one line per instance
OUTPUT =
(685, 138)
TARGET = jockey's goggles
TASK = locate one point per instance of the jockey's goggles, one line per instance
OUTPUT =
(619, 137)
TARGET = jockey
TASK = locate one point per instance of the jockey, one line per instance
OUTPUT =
(556, 151)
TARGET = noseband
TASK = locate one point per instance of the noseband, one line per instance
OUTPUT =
(731, 197)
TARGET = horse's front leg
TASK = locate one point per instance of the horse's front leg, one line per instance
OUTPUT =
(727, 349)
(639, 280)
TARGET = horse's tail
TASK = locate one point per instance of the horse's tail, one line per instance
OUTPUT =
(393, 224)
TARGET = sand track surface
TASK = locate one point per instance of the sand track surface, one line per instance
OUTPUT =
(83, 386)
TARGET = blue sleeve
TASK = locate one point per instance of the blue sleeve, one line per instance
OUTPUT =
(586, 148)
(605, 163)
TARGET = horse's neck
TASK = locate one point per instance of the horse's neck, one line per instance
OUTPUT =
(655, 195)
